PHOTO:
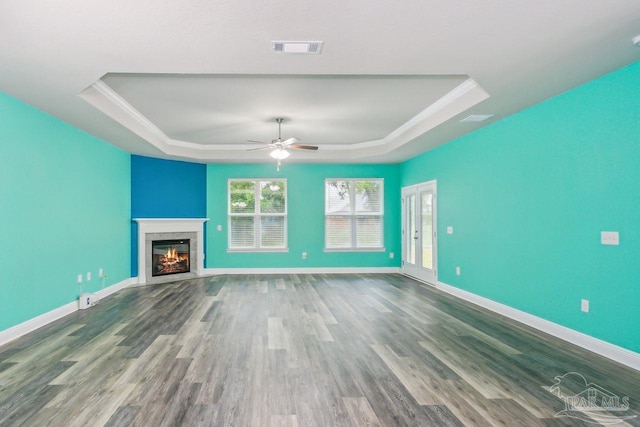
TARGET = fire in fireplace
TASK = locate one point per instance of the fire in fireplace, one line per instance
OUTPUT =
(169, 257)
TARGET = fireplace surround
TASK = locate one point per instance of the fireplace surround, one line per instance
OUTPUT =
(169, 229)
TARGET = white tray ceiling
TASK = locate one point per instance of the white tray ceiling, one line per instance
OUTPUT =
(196, 80)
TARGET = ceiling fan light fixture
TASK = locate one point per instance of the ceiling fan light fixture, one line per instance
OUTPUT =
(279, 154)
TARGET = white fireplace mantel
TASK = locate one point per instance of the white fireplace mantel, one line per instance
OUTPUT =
(169, 225)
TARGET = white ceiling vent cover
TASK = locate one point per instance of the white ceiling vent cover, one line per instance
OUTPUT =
(309, 48)
(474, 118)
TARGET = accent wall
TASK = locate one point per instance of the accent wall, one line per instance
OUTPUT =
(527, 198)
(165, 189)
(305, 199)
(65, 211)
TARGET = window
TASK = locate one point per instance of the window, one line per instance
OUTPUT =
(257, 215)
(354, 210)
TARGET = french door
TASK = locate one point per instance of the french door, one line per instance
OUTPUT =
(419, 238)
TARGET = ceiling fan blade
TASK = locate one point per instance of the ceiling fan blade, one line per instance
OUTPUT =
(266, 145)
(290, 141)
(303, 147)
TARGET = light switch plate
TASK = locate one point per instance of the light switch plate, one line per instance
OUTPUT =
(584, 305)
(449, 230)
(610, 238)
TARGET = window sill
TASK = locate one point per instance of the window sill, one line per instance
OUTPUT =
(254, 250)
(355, 249)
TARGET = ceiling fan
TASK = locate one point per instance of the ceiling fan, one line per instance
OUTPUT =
(281, 147)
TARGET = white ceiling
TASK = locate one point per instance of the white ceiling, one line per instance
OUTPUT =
(195, 80)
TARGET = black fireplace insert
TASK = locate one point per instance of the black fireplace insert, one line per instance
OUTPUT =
(169, 257)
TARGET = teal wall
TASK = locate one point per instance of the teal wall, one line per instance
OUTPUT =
(305, 216)
(528, 197)
(65, 210)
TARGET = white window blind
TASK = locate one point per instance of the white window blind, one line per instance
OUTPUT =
(354, 211)
(257, 214)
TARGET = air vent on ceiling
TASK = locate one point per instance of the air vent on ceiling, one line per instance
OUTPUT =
(474, 118)
(309, 48)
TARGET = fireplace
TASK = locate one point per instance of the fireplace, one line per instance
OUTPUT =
(184, 230)
(170, 257)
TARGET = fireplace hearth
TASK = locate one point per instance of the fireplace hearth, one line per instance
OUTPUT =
(170, 257)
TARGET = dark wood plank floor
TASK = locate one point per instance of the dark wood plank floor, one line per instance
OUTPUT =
(297, 350)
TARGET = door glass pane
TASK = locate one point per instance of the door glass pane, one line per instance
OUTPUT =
(411, 229)
(426, 198)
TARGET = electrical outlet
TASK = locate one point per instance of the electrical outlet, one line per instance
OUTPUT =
(610, 238)
(391, 255)
(79, 278)
(219, 227)
(304, 255)
(457, 271)
(584, 305)
(449, 230)
(100, 272)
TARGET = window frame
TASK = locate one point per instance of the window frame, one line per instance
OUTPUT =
(257, 215)
(353, 216)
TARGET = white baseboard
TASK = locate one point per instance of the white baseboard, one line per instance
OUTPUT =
(37, 322)
(303, 270)
(103, 293)
(603, 348)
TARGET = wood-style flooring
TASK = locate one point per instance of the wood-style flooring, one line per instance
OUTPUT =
(301, 350)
